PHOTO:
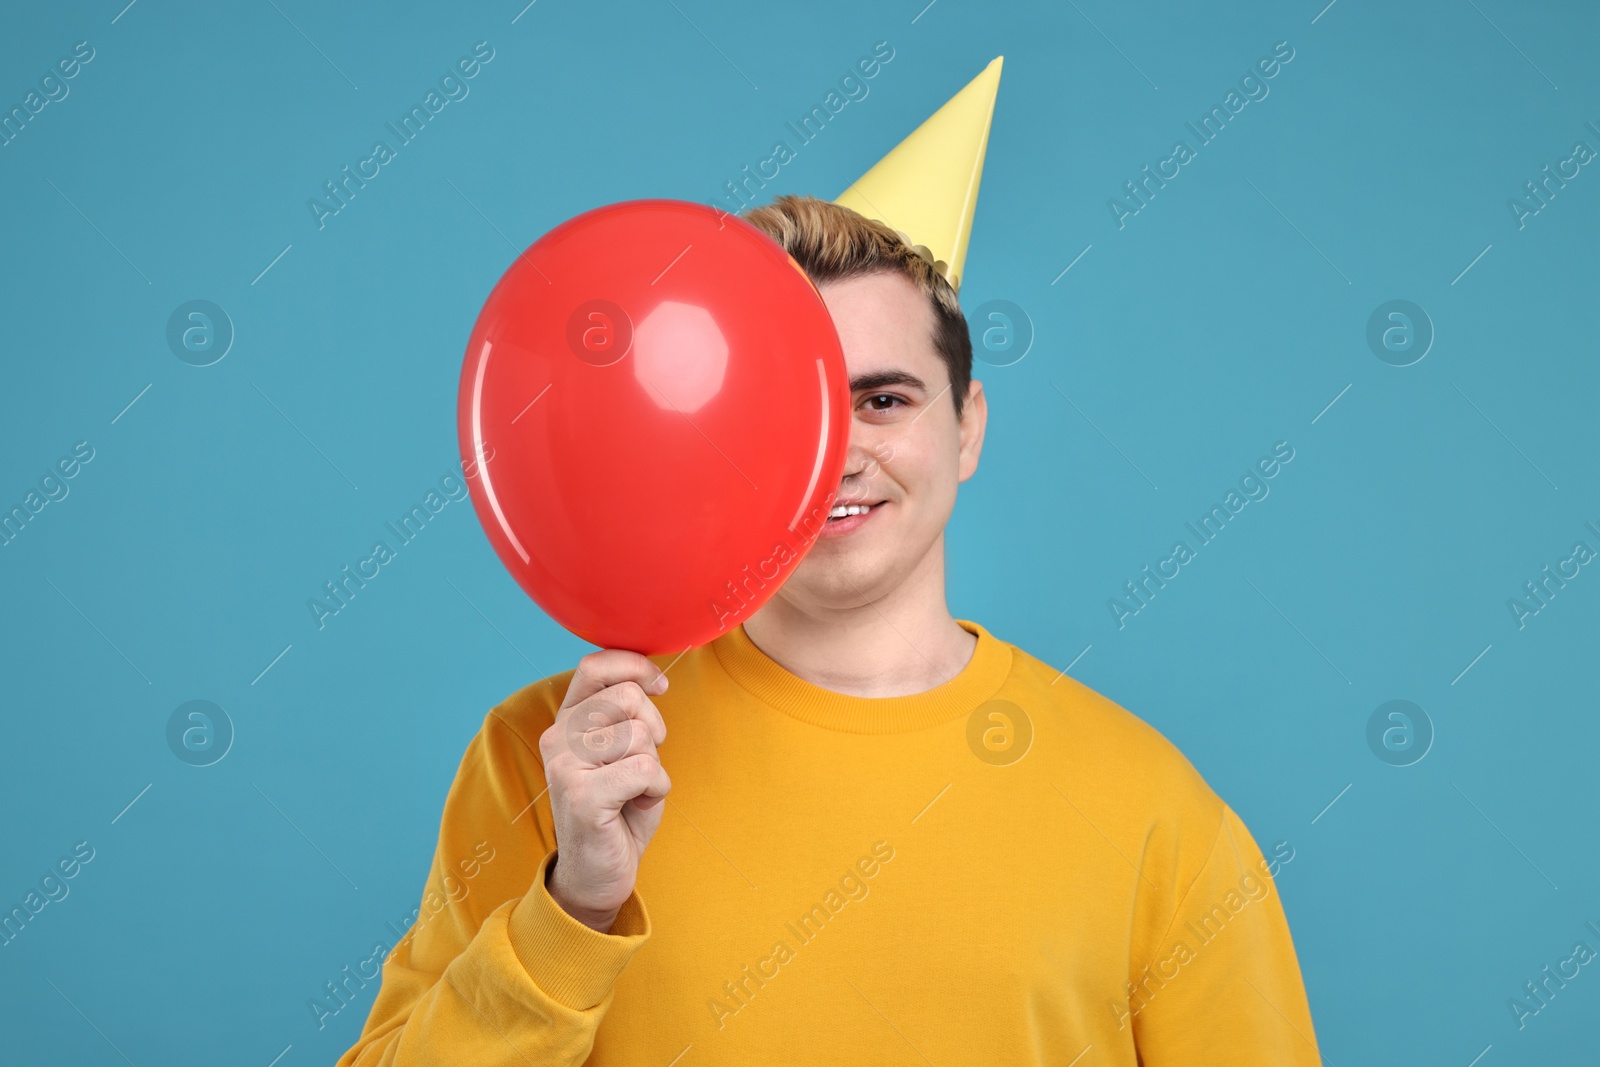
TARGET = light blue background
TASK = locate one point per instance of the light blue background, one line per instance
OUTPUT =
(1224, 317)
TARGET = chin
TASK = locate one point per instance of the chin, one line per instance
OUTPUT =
(842, 578)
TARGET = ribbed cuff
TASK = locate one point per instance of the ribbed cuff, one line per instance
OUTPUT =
(574, 964)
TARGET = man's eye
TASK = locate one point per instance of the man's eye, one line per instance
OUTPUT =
(889, 397)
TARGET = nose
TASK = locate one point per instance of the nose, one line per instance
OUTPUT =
(867, 453)
(861, 466)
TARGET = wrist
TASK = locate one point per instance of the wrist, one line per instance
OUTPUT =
(600, 921)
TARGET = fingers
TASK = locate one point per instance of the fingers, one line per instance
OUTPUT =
(615, 723)
(617, 702)
(599, 732)
(609, 666)
(640, 775)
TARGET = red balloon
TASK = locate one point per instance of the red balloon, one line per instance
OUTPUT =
(653, 416)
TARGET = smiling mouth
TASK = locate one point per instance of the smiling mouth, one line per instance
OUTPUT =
(842, 511)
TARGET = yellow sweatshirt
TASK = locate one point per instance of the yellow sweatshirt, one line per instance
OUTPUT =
(1007, 869)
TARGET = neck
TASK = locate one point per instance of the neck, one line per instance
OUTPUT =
(902, 642)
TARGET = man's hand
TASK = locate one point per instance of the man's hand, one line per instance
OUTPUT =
(606, 782)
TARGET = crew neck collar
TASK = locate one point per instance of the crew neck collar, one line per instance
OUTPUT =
(775, 686)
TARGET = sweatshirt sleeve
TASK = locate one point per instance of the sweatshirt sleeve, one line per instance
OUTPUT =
(1224, 984)
(493, 971)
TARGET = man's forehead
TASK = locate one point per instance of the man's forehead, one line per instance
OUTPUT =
(885, 326)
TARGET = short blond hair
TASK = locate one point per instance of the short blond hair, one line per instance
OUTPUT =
(832, 242)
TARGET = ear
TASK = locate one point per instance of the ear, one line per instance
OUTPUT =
(974, 420)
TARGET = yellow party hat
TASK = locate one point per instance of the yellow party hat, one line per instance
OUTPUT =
(926, 189)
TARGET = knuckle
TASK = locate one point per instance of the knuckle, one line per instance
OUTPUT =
(575, 798)
(558, 772)
(642, 736)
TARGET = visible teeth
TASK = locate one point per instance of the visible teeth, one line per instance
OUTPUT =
(852, 509)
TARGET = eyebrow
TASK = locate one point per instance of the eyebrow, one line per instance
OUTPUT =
(879, 379)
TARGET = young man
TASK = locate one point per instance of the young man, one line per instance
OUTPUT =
(891, 836)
